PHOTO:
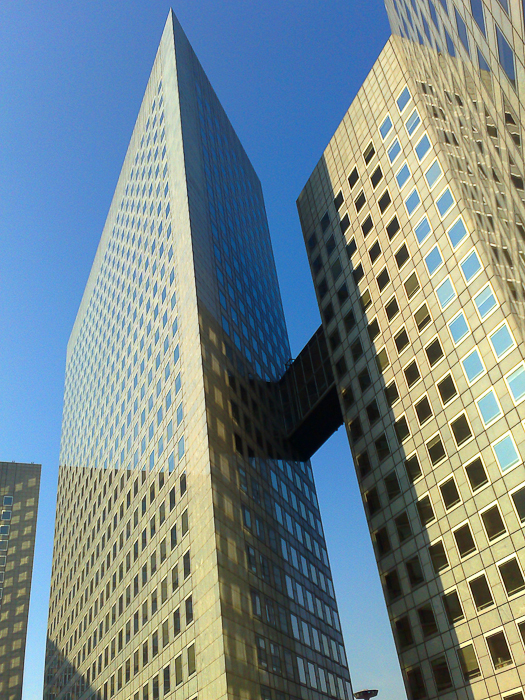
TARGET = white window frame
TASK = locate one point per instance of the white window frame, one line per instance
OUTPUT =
(519, 487)
(456, 344)
(438, 197)
(450, 300)
(495, 308)
(431, 187)
(488, 507)
(496, 442)
(466, 521)
(401, 187)
(431, 274)
(464, 357)
(429, 149)
(410, 214)
(416, 401)
(431, 437)
(387, 116)
(514, 555)
(492, 633)
(443, 481)
(493, 332)
(473, 459)
(507, 375)
(420, 243)
(472, 577)
(414, 131)
(405, 87)
(481, 396)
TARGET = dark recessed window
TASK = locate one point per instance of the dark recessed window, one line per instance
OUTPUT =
(330, 245)
(392, 308)
(450, 493)
(373, 329)
(358, 273)
(441, 673)
(392, 585)
(328, 312)
(348, 397)
(422, 317)
(369, 153)
(336, 270)
(392, 228)
(357, 350)
(493, 523)
(372, 501)
(391, 393)
(344, 223)
(402, 429)
(340, 367)
(383, 450)
(335, 340)
(363, 464)
(342, 293)
(412, 374)
(464, 540)
(427, 620)
(312, 241)
(367, 226)
(477, 475)
(447, 389)
(338, 201)
(435, 448)
(512, 577)
(438, 556)
(402, 256)
(376, 177)
(415, 572)
(364, 379)
(413, 468)
(452, 606)
(416, 684)
(481, 592)
(434, 352)
(360, 201)
(356, 430)
(401, 340)
(323, 288)
(425, 510)
(365, 300)
(404, 531)
(382, 360)
(411, 285)
(461, 429)
(372, 412)
(468, 661)
(403, 632)
(383, 279)
(384, 201)
(382, 542)
(351, 248)
(392, 486)
(353, 178)
(499, 650)
(423, 410)
(349, 321)
(325, 222)
(518, 498)
(374, 252)
(317, 264)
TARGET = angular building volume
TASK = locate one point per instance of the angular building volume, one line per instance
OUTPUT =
(414, 226)
(189, 557)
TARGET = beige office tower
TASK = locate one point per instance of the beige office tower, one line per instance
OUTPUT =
(189, 557)
(19, 488)
(413, 223)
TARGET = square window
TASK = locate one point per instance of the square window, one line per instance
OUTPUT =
(403, 175)
(413, 470)
(485, 302)
(353, 178)
(425, 510)
(422, 317)
(385, 127)
(468, 660)
(412, 202)
(476, 474)
(447, 389)
(516, 383)
(433, 260)
(412, 374)
(401, 340)
(367, 226)
(488, 407)
(501, 341)
(473, 366)
(434, 352)
(376, 177)
(445, 293)
(411, 285)
(393, 585)
(506, 56)
(372, 412)
(415, 572)
(423, 147)
(404, 531)
(506, 453)
(452, 605)
(372, 502)
(402, 429)
(392, 308)
(518, 499)
(392, 486)
(470, 266)
(499, 650)
(392, 228)
(462, 30)
(445, 202)
(339, 199)
(374, 252)
(383, 279)
(351, 248)
(360, 201)
(433, 174)
(450, 493)
(422, 230)
(458, 328)
(373, 329)
(493, 523)
(423, 410)
(457, 232)
(383, 450)
(394, 150)
(403, 99)
(427, 620)
(464, 540)
(412, 122)
(382, 542)
(512, 576)
(402, 256)
(384, 201)
(436, 451)
(480, 591)
(391, 393)
(461, 429)
(416, 684)
(369, 153)
(438, 556)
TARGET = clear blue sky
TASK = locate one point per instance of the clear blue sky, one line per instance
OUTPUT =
(73, 75)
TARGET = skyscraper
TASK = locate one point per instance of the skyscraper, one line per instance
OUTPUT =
(189, 553)
(413, 221)
(19, 489)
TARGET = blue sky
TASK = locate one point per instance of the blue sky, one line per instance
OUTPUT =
(73, 79)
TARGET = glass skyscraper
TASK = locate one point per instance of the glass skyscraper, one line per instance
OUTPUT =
(189, 557)
(413, 221)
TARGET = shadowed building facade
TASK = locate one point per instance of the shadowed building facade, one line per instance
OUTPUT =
(413, 224)
(19, 489)
(189, 556)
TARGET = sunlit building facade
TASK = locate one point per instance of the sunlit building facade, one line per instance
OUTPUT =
(414, 225)
(189, 556)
